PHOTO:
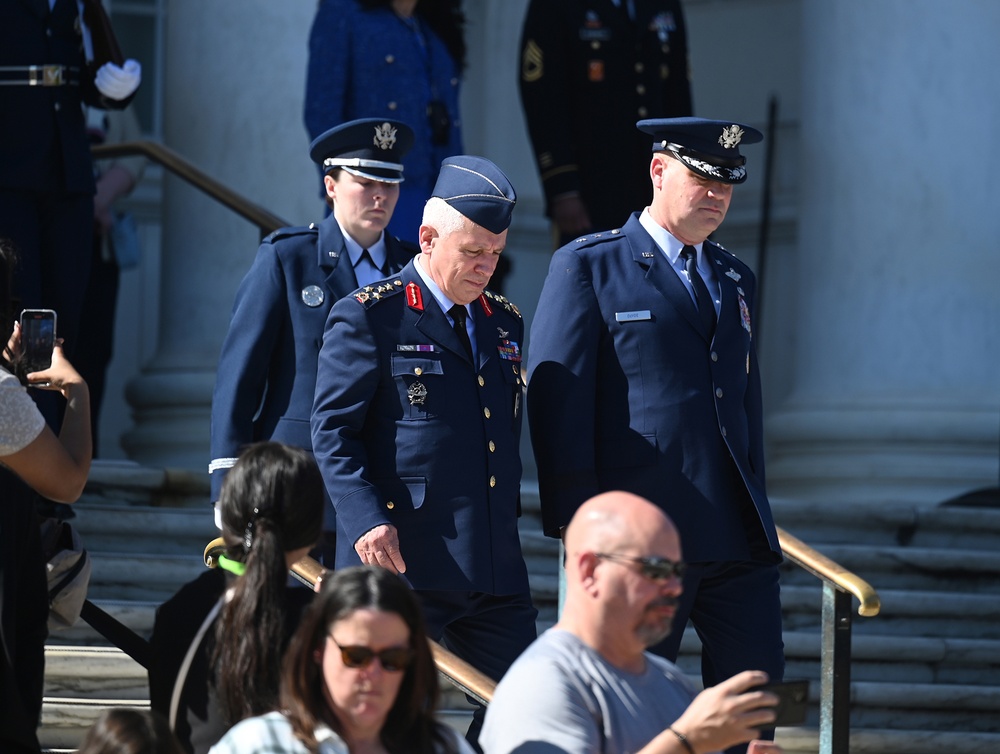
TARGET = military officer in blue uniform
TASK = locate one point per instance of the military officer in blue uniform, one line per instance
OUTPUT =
(589, 69)
(643, 377)
(267, 368)
(417, 421)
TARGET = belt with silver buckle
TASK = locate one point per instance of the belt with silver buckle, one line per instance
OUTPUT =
(39, 75)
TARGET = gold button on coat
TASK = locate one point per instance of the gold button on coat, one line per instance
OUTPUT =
(493, 481)
(486, 412)
(390, 505)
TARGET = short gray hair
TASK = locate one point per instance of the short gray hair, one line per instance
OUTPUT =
(444, 218)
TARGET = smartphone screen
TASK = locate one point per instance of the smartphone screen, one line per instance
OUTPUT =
(793, 701)
(38, 336)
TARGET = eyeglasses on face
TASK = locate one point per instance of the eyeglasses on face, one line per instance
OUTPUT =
(656, 569)
(393, 659)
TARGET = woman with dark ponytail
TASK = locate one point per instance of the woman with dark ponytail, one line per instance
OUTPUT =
(218, 643)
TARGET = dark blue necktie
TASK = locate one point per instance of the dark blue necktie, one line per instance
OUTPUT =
(458, 315)
(703, 300)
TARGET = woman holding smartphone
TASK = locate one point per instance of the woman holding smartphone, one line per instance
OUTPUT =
(54, 466)
(33, 459)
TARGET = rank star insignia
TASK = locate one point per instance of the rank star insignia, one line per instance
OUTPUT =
(385, 136)
(731, 136)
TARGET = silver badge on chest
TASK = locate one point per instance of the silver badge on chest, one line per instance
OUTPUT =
(312, 295)
(417, 393)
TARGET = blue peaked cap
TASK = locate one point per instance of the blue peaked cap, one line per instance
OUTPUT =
(710, 148)
(478, 189)
(371, 148)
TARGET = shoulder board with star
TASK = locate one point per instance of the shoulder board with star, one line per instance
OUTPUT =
(502, 301)
(592, 239)
(298, 230)
(732, 258)
(370, 295)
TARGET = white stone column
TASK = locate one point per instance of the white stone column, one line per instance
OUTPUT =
(235, 80)
(897, 351)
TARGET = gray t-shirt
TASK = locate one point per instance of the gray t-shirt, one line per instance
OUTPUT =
(20, 420)
(562, 696)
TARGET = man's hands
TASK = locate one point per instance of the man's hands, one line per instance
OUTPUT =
(380, 546)
(726, 714)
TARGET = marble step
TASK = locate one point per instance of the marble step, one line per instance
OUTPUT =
(117, 528)
(876, 741)
(126, 483)
(124, 576)
(890, 523)
(904, 612)
(921, 568)
(65, 720)
(136, 614)
(88, 672)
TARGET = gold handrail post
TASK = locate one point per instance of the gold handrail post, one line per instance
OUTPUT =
(839, 585)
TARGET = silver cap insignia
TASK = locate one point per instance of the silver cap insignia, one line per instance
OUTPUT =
(385, 136)
(731, 136)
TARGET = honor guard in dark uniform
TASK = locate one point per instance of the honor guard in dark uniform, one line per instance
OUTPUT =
(644, 378)
(589, 70)
(417, 422)
(47, 74)
(267, 369)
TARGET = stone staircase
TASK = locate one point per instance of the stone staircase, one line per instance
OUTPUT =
(925, 673)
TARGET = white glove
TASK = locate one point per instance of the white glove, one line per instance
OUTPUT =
(116, 82)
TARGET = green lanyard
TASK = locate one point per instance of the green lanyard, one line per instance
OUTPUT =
(233, 566)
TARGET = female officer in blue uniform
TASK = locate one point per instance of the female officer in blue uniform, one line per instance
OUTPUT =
(267, 369)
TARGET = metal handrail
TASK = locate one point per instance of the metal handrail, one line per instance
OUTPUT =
(839, 585)
(265, 220)
(460, 673)
(823, 568)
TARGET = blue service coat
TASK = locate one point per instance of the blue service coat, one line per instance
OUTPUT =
(369, 63)
(408, 431)
(626, 393)
(267, 368)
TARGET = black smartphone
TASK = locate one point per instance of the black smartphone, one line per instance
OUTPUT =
(793, 702)
(38, 336)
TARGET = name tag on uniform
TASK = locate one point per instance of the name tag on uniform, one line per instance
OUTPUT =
(416, 347)
(639, 316)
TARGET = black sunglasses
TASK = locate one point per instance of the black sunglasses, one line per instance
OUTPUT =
(656, 569)
(393, 659)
